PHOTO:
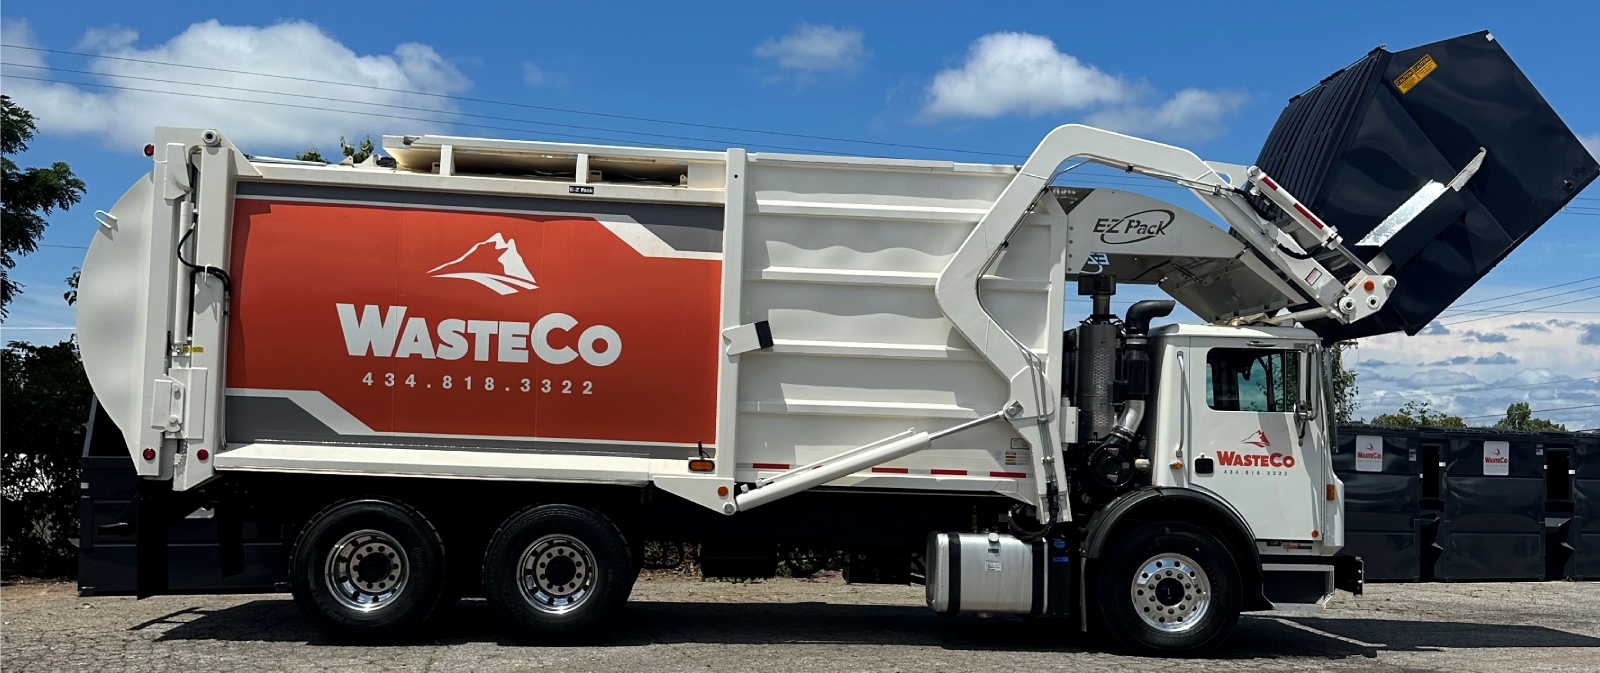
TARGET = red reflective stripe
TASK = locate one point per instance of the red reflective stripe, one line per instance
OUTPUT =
(1268, 181)
(1308, 215)
(892, 470)
(1009, 475)
(953, 473)
(769, 466)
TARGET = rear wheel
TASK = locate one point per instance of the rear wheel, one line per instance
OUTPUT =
(557, 574)
(369, 571)
(1168, 589)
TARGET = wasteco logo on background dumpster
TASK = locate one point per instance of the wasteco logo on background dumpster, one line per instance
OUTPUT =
(476, 323)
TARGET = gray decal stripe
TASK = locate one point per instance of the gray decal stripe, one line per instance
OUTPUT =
(691, 228)
(278, 420)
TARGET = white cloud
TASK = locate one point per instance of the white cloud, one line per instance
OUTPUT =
(1478, 376)
(533, 75)
(1192, 114)
(1592, 141)
(1021, 73)
(812, 49)
(297, 49)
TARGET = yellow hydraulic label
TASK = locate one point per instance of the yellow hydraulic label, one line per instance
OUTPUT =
(1415, 73)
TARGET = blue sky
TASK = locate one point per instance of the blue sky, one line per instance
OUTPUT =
(987, 77)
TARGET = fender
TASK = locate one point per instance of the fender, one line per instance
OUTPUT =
(1237, 537)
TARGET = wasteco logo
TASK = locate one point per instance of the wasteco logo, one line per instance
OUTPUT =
(1369, 452)
(505, 273)
(1141, 226)
(1236, 459)
(388, 332)
(1256, 439)
(1496, 457)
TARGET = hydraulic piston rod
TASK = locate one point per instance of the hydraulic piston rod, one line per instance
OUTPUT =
(849, 462)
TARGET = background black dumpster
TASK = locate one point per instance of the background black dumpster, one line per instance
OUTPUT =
(1383, 507)
(1492, 525)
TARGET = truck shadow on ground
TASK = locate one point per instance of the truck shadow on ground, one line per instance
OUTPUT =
(647, 623)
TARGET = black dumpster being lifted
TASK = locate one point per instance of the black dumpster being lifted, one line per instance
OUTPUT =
(1382, 499)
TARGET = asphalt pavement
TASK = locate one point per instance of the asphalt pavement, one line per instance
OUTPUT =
(676, 623)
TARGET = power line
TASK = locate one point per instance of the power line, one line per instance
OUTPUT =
(410, 108)
(1518, 294)
(324, 109)
(1536, 411)
(530, 106)
(1494, 309)
(1564, 303)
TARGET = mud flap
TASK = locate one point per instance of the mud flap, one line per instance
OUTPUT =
(151, 520)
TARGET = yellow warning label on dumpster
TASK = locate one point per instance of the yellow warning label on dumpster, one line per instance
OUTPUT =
(1415, 73)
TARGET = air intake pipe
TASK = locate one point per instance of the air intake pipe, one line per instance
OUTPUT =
(1110, 462)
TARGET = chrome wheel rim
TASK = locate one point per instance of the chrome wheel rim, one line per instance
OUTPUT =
(1171, 593)
(556, 574)
(367, 570)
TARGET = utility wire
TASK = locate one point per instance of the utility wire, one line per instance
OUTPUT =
(1518, 294)
(1496, 309)
(1530, 310)
(410, 108)
(1536, 411)
(324, 109)
(530, 106)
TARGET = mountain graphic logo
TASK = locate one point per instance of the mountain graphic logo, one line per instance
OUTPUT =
(493, 263)
(1258, 439)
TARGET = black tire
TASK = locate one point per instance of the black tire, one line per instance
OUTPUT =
(1204, 588)
(579, 574)
(397, 567)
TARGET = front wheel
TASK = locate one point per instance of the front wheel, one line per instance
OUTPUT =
(1168, 589)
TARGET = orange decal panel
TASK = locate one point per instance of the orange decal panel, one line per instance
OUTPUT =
(474, 323)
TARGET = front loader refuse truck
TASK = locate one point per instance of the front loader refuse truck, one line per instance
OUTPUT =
(498, 368)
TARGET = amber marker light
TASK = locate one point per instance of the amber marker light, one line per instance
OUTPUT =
(701, 465)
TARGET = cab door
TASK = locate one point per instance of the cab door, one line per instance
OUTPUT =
(1249, 448)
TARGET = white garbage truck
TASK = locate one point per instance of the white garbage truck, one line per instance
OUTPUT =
(499, 368)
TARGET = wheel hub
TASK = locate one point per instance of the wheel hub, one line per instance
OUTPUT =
(1171, 593)
(366, 570)
(556, 574)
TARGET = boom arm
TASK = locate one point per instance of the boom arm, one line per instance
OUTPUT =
(1032, 403)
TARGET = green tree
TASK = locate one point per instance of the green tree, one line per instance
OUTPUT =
(1519, 416)
(355, 153)
(46, 407)
(1415, 413)
(1343, 383)
(28, 195)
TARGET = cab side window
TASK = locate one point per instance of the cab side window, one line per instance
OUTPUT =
(1252, 379)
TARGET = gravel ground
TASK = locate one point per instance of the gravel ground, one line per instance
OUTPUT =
(679, 624)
